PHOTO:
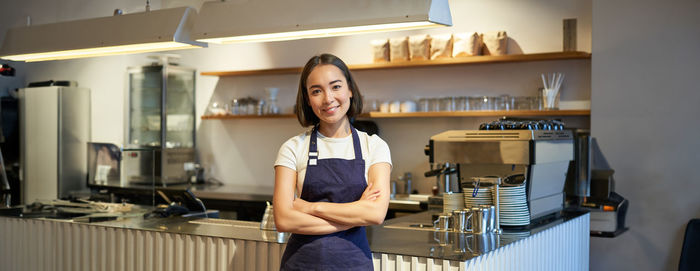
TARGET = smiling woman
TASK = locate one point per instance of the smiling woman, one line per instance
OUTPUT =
(340, 175)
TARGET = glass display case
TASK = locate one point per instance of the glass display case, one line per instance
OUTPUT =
(160, 130)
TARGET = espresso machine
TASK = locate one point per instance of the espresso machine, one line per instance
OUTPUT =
(541, 156)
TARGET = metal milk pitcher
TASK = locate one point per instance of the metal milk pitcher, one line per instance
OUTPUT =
(462, 220)
(491, 227)
(481, 220)
(443, 223)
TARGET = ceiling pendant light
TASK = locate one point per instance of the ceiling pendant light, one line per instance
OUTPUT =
(158, 30)
(275, 20)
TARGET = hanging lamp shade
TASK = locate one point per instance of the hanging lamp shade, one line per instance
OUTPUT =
(274, 20)
(157, 30)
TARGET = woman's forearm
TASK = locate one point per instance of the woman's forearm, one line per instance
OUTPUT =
(301, 223)
(357, 213)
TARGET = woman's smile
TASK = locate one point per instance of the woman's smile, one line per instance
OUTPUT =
(331, 109)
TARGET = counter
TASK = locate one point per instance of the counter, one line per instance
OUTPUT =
(133, 242)
(458, 249)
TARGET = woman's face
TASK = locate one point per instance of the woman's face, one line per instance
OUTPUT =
(329, 93)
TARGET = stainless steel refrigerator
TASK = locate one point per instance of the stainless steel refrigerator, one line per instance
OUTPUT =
(55, 129)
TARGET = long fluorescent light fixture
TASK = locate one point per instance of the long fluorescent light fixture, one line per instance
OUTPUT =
(276, 20)
(150, 31)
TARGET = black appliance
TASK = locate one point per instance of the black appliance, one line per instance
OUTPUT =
(9, 144)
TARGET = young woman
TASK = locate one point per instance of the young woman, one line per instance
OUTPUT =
(341, 175)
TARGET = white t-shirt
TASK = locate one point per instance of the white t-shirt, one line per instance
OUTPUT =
(294, 153)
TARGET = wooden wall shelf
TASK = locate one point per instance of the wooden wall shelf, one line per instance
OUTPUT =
(221, 117)
(487, 113)
(483, 113)
(422, 63)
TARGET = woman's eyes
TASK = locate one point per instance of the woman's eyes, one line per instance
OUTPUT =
(318, 90)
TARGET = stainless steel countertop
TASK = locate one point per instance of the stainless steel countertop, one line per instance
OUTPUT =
(449, 245)
(234, 192)
(412, 242)
(214, 227)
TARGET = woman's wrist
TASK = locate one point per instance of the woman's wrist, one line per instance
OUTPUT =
(305, 206)
(313, 208)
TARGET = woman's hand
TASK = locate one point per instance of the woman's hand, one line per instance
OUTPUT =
(369, 193)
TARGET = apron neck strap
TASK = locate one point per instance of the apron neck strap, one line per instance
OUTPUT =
(313, 147)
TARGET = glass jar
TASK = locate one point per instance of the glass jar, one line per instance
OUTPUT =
(252, 105)
(461, 103)
(483, 103)
(507, 102)
(522, 103)
(272, 108)
(260, 107)
(447, 103)
(434, 104)
(235, 107)
(423, 105)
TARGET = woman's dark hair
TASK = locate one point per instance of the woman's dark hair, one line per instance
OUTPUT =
(303, 110)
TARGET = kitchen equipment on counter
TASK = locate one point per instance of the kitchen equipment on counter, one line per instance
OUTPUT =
(446, 178)
(514, 210)
(54, 130)
(491, 201)
(477, 196)
(481, 219)
(493, 218)
(103, 164)
(608, 216)
(541, 156)
(443, 222)
(462, 220)
(452, 201)
(578, 180)
(268, 219)
(160, 124)
(590, 186)
(608, 209)
(477, 220)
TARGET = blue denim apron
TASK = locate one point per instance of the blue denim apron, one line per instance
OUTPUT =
(331, 180)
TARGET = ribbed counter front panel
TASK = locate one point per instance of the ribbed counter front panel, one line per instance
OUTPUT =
(30, 244)
(562, 247)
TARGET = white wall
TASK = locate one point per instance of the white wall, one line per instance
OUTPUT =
(242, 151)
(645, 115)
